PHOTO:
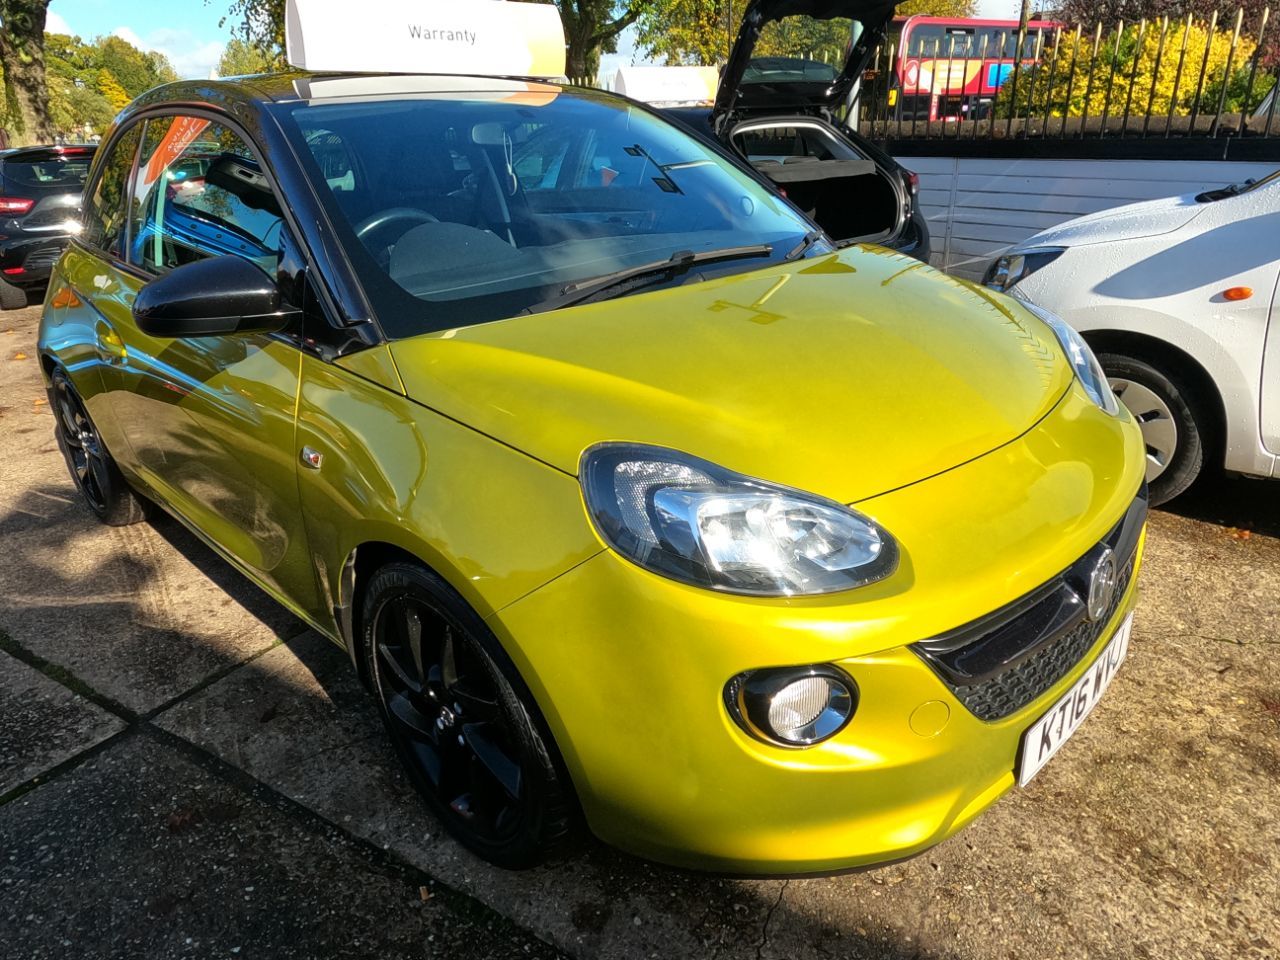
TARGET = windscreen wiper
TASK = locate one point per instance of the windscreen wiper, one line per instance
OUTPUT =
(1223, 192)
(610, 285)
(803, 247)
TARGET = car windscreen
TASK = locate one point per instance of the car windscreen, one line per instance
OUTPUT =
(48, 170)
(457, 209)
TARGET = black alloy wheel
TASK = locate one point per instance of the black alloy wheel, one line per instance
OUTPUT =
(105, 491)
(466, 737)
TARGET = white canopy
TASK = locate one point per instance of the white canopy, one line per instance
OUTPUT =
(666, 86)
(476, 37)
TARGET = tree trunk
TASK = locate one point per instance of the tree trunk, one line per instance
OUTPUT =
(22, 58)
(581, 59)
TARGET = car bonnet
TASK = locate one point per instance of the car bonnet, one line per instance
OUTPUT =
(847, 375)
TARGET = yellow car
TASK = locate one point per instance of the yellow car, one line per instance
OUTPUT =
(636, 501)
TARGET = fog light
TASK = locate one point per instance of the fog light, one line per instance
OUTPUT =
(792, 706)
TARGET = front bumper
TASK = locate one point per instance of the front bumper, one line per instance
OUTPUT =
(629, 669)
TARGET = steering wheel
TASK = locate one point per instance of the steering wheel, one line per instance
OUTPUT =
(376, 221)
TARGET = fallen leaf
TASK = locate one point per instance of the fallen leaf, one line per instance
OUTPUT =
(37, 401)
(425, 894)
(19, 356)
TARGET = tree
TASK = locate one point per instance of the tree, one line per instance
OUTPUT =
(112, 90)
(1108, 12)
(591, 27)
(241, 58)
(127, 64)
(22, 60)
(260, 24)
(77, 111)
(701, 32)
(1126, 72)
(160, 67)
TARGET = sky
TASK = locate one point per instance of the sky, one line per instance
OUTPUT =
(187, 31)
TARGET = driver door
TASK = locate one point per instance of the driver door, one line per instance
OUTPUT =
(211, 420)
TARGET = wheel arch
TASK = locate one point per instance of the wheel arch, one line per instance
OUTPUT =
(361, 564)
(1163, 354)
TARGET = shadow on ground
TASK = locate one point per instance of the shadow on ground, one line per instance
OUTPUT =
(1237, 502)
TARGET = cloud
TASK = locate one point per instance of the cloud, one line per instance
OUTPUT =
(190, 56)
(53, 23)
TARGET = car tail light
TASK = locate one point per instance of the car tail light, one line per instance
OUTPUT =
(14, 271)
(16, 205)
(913, 181)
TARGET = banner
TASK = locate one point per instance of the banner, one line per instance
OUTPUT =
(476, 37)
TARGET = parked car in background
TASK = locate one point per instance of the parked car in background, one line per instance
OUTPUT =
(39, 210)
(780, 114)
(1176, 296)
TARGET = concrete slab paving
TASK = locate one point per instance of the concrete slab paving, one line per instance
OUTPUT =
(43, 723)
(141, 852)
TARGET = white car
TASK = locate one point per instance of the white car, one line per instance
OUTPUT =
(1176, 297)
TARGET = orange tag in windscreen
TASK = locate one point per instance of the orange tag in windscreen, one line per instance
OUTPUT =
(607, 176)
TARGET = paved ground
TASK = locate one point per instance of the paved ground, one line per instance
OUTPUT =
(186, 771)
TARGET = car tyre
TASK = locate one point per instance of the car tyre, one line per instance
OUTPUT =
(1177, 427)
(102, 486)
(462, 721)
(11, 297)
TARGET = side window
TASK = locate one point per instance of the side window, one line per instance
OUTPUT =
(104, 213)
(538, 160)
(199, 192)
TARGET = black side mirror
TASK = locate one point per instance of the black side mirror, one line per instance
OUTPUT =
(209, 298)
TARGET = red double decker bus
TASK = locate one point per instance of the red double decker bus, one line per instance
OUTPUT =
(949, 69)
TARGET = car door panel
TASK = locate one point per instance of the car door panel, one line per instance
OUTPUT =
(208, 422)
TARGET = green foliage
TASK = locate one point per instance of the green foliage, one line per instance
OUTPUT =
(1123, 65)
(112, 90)
(84, 89)
(77, 112)
(259, 25)
(241, 58)
(700, 32)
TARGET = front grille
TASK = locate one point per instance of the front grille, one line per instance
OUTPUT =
(998, 664)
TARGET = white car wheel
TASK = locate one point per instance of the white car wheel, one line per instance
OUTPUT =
(1156, 420)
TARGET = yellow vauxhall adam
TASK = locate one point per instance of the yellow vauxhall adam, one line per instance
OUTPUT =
(636, 502)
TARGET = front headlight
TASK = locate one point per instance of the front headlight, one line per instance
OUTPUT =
(1008, 269)
(1086, 366)
(699, 523)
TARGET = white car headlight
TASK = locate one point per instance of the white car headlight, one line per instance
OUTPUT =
(1007, 269)
(699, 523)
(1086, 366)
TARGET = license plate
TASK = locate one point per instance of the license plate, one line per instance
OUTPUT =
(1050, 732)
